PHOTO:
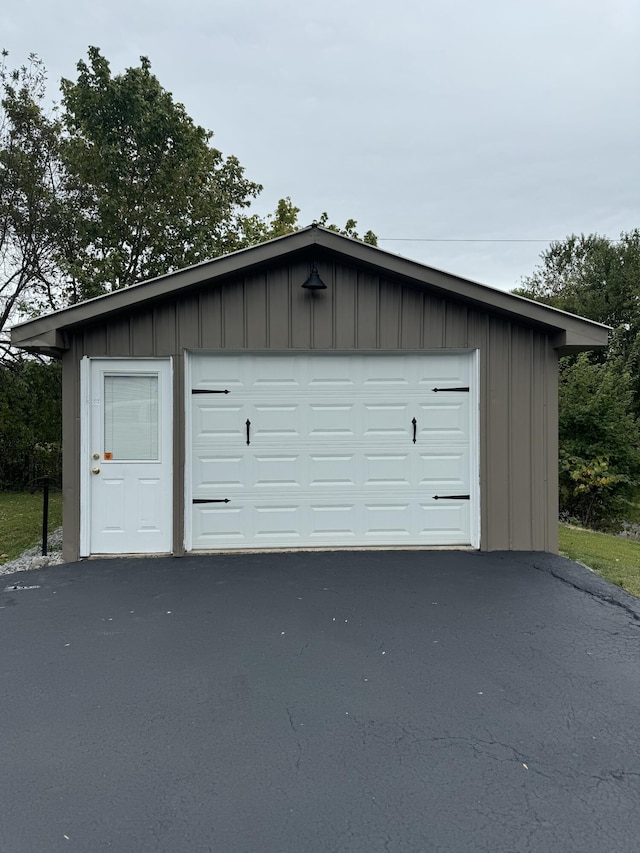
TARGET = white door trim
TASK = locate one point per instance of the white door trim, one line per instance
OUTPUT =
(188, 514)
(85, 453)
(474, 447)
(86, 364)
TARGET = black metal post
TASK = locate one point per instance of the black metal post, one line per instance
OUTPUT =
(45, 516)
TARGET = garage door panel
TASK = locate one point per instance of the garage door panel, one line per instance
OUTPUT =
(440, 420)
(448, 522)
(276, 470)
(444, 470)
(282, 522)
(447, 371)
(386, 519)
(332, 471)
(217, 422)
(218, 373)
(329, 520)
(387, 469)
(220, 527)
(216, 473)
(270, 422)
(387, 420)
(328, 420)
(325, 375)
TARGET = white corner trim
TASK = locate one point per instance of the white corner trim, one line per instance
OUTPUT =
(476, 442)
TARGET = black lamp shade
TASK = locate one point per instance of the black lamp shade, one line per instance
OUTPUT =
(314, 282)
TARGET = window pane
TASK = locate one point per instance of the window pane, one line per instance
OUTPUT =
(131, 417)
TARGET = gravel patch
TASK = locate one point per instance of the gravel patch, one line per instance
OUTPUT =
(32, 558)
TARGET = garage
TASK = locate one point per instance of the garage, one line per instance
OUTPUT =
(309, 392)
(329, 450)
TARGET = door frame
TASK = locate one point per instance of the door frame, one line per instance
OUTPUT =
(474, 426)
(86, 363)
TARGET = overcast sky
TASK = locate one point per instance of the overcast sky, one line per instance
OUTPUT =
(456, 119)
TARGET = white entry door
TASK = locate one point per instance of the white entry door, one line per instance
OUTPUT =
(333, 450)
(126, 465)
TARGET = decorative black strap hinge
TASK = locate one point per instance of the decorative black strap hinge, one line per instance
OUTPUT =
(211, 500)
(452, 497)
(450, 389)
(208, 391)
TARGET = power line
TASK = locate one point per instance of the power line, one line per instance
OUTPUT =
(457, 240)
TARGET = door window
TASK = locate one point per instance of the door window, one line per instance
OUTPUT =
(131, 425)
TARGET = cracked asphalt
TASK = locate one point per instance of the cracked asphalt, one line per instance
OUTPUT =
(329, 702)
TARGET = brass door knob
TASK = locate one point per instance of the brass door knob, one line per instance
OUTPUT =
(95, 470)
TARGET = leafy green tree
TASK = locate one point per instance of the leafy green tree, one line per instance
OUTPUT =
(285, 220)
(592, 275)
(30, 422)
(349, 230)
(598, 278)
(31, 212)
(124, 186)
(599, 440)
(150, 194)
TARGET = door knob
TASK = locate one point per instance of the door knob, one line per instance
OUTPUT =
(95, 470)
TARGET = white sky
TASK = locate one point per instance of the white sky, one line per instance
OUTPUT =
(500, 119)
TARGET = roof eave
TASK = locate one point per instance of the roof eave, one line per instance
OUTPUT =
(573, 333)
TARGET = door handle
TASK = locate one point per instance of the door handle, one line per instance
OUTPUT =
(95, 470)
(415, 424)
(248, 429)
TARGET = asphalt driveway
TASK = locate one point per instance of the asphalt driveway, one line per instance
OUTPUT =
(294, 703)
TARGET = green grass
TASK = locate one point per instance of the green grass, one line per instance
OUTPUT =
(615, 558)
(21, 521)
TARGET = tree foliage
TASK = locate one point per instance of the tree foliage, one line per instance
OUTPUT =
(599, 440)
(150, 194)
(598, 278)
(285, 220)
(121, 185)
(30, 191)
(30, 422)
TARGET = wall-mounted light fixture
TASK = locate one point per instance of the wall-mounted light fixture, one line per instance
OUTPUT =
(314, 282)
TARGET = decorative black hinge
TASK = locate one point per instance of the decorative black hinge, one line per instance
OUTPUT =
(208, 391)
(452, 497)
(450, 389)
(211, 500)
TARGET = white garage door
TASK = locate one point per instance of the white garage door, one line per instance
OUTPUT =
(331, 450)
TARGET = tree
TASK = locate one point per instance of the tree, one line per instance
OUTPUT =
(31, 214)
(599, 440)
(149, 192)
(285, 220)
(592, 275)
(597, 278)
(349, 230)
(30, 422)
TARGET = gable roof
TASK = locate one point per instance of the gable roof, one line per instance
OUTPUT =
(570, 333)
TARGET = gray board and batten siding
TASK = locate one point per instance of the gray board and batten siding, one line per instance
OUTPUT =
(252, 301)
